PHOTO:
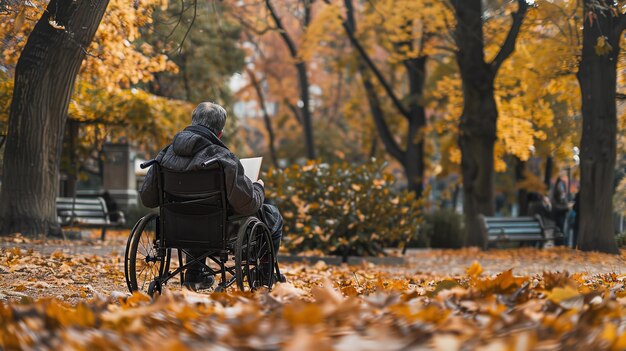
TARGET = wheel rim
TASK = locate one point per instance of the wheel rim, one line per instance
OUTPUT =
(252, 250)
(145, 261)
(241, 254)
(259, 265)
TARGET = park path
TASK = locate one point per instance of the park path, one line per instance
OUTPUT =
(523, 261)
(75, 269)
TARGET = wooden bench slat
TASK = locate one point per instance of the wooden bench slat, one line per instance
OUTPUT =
(510, 219)
(516, 225)
(88, 213)
(80, 206)
(78, 200)
(97, 221)
(515, 231)
(512, 229)
(81, 213)
(519, 238)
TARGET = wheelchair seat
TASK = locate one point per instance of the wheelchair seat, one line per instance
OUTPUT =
(194, 215)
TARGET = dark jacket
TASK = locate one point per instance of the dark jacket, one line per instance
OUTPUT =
(189, 149)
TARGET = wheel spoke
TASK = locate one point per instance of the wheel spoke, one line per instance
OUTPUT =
(261, 249)
(143, 245)
(145, 240)
(144, 281)
(142, 270)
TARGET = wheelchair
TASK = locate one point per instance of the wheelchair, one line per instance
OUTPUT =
(194, 215)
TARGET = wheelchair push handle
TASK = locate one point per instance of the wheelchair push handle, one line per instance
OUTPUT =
(147, 164)
(207, 163)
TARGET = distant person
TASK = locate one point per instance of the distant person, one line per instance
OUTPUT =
(560, 206)
(199, 142)
(576, 209)
(540, 205)
(112, 208)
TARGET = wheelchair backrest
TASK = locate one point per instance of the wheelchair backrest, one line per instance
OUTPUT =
(193, 208)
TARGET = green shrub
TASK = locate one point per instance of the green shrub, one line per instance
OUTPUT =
(342, 208)
(444, 229)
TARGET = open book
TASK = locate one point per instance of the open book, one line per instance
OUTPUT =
(252, 167)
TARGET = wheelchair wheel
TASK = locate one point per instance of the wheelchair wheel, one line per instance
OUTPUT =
(144, 261)
(254, 256)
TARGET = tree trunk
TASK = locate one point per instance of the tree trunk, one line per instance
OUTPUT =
(522, 194)
(477, 128)
(597, 77)
(303, 81)
(547, 177)
(44, 80)
(414, 155)
(476, 141)
(72, 171)
(266, 116)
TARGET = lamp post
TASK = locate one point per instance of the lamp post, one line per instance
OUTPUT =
(570, 219)
(576, 159)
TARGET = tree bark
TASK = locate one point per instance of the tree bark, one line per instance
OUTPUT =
(303, 80)
(44, 80)
(547, 176)
(72, 171)
(522, 194)
(266, 116)
(477, 127)
(597, 76)
(414, 155)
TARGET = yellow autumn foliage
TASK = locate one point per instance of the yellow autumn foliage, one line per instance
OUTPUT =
(116, 60)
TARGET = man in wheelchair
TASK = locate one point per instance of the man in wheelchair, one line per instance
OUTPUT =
(190, 148)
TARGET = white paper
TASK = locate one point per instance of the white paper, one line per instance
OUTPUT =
(252, 167)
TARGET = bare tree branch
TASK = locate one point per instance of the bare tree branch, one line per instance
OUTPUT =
(252, 28)
(281, 30)
(294, 110)
(508, 46)
(385, 134)
(367, 59)
(180, 18)
(193, 19)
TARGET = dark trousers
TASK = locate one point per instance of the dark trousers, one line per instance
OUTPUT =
(268, 214)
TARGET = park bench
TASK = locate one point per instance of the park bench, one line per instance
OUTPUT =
(532, 230)
(86, 213)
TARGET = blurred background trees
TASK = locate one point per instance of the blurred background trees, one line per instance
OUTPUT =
(468, 102)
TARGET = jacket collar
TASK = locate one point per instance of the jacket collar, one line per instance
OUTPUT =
(206, 133)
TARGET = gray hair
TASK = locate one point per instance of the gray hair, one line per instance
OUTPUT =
(210, 115)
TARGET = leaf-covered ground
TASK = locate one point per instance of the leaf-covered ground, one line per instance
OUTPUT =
(441, 300)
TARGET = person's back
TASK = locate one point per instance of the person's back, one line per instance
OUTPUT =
(201, 142)
(197, 144)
